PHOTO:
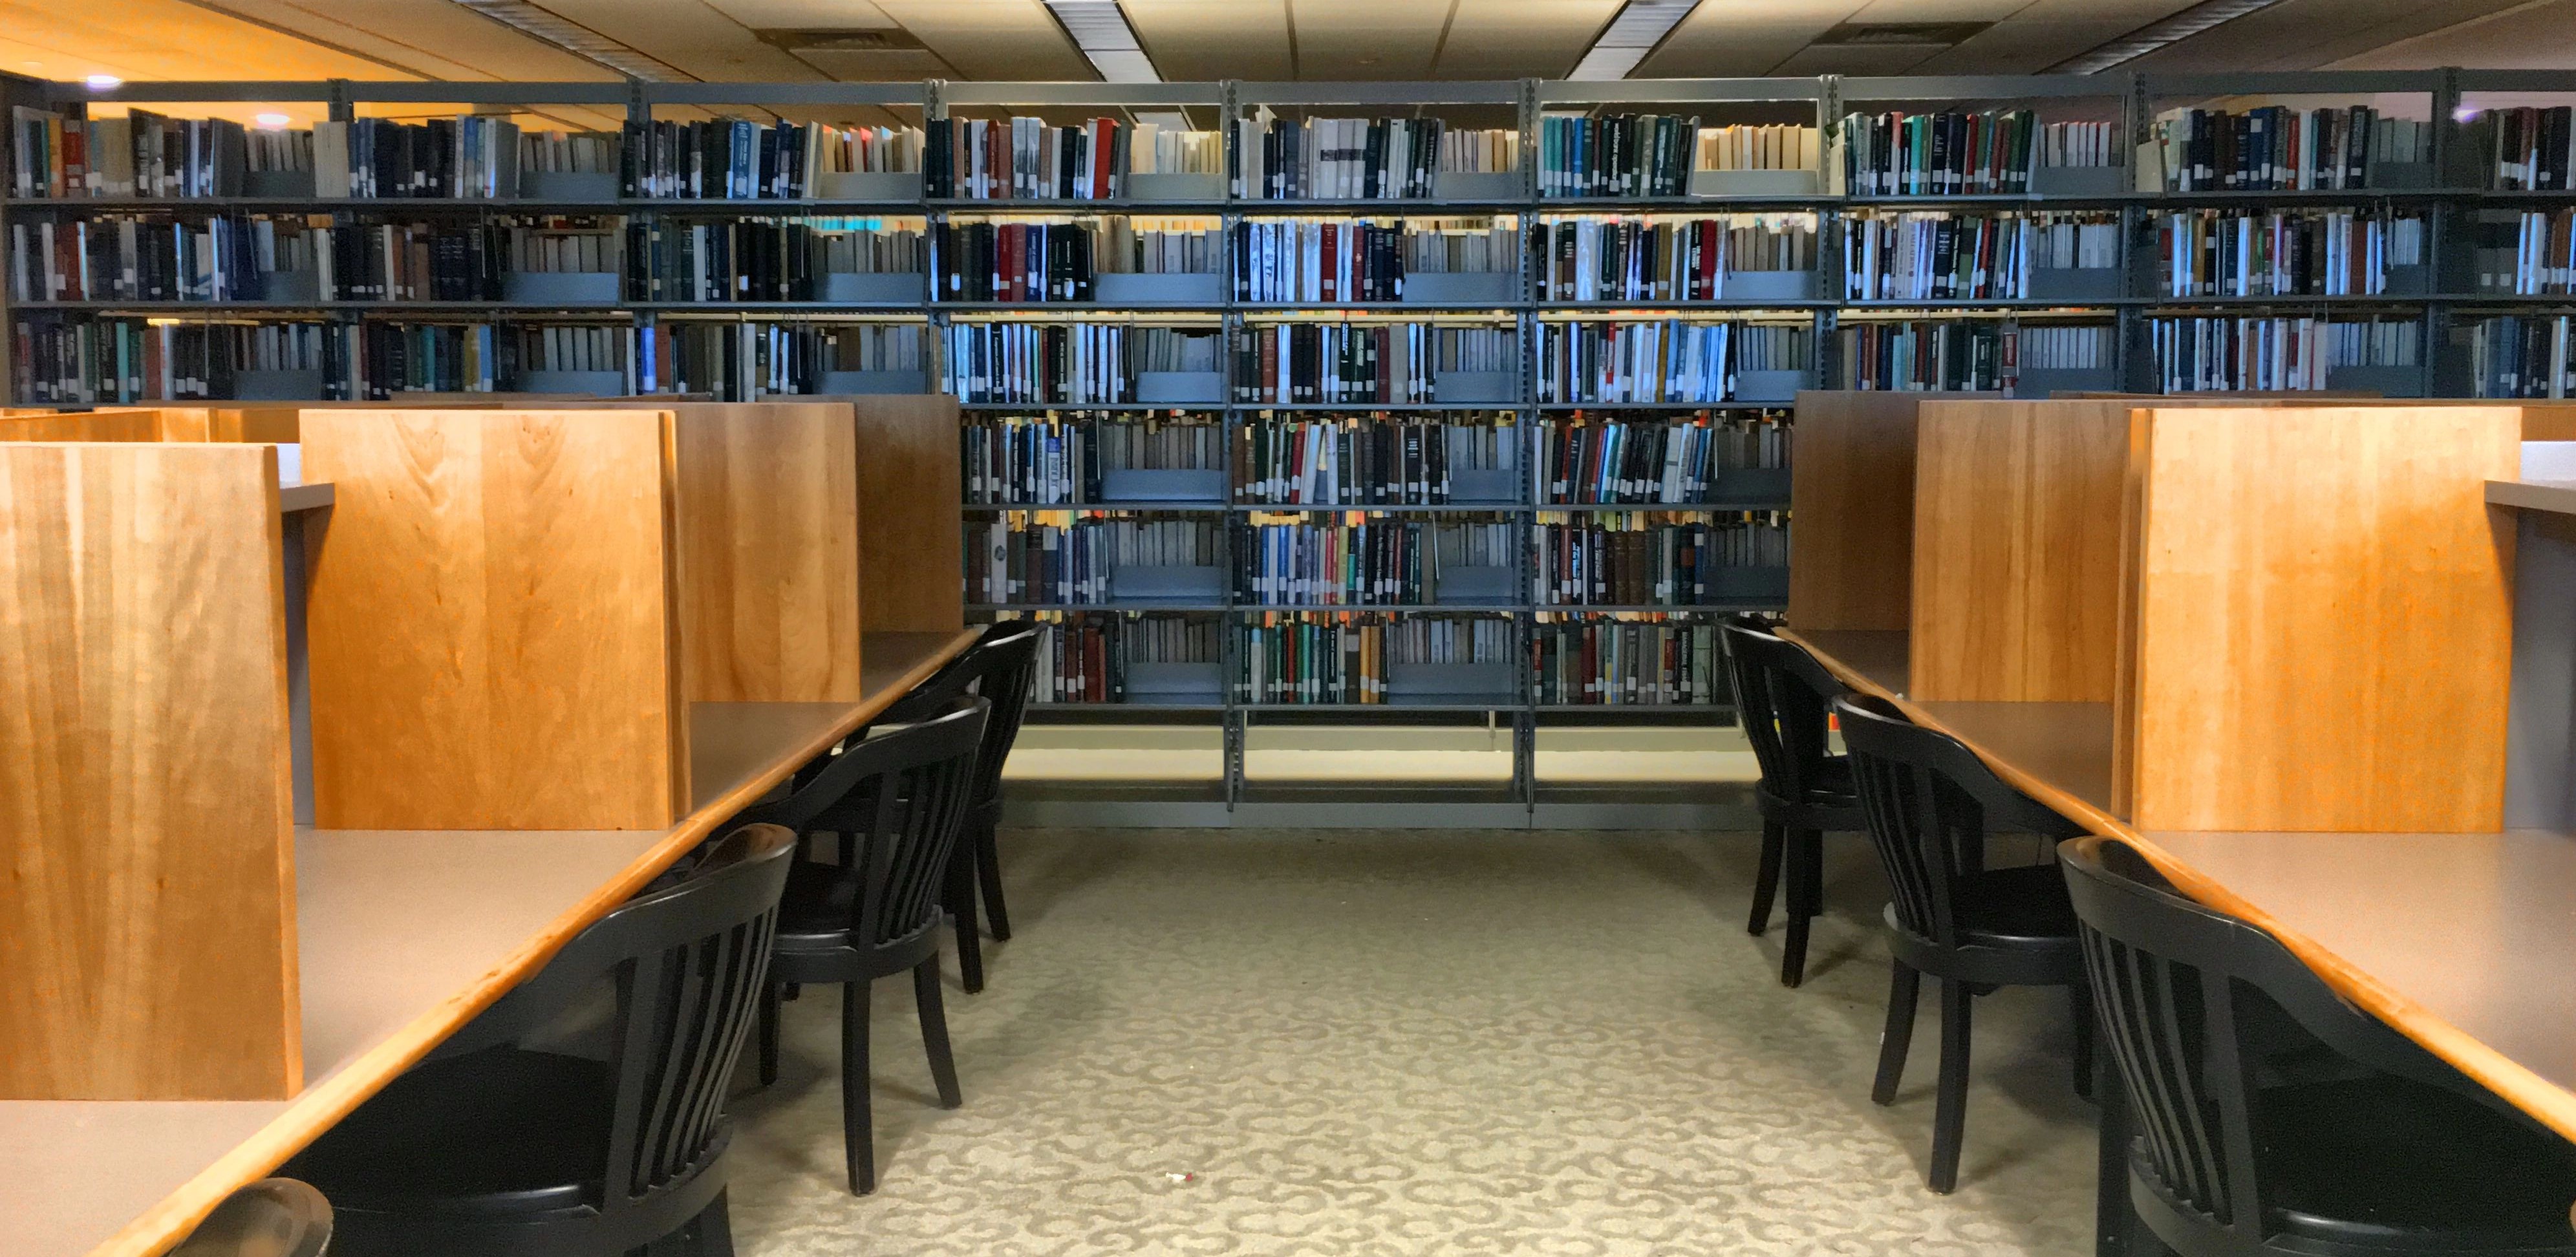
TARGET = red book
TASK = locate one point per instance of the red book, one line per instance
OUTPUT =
(1015, 246)
(1327, 250)
(1104, 150)
(75, 159)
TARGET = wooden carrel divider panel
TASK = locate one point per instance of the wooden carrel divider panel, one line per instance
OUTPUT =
(145, 776)
(2318, 618)
(2017, 550)
(768, 496)
(493, 621)
(769, 546)
(912, 550)
(1851, 485)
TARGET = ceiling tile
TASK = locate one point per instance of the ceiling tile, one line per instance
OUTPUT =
(688, 35)
(2533, 37)
(2306, 34)
(1365, 39)
(993, 39)
(1854, 61)
(1510, 39)
(1741, 38)
(431, 38)
(68, 41)
(1206, 40)
(805, 15)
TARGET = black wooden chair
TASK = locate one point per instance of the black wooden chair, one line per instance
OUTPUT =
(1931, 803)
(1001, 668)
(1780, 696)
(2272, 1117)
(898, 801)
(493, 1149)
(274, 1217)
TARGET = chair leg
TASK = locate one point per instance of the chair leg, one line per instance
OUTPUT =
(934, 1031)
(1904, 990)
(1811, 843)
(1766, 878)
(958, 897)
(714, 1227)
(857, 1125)
(768, 1029)
(2080, 994)
(988, 868)
(1798, 857)
(1950, 1102)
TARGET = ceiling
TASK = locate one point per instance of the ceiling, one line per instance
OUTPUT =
(861, 40)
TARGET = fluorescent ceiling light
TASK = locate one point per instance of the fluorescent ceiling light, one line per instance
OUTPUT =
(1099, 28)
(579, 40)
(103, 82)
(1640, 26)
(2207, 15)
(272, 121)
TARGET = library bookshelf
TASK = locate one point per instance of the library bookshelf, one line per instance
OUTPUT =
(2407, 252)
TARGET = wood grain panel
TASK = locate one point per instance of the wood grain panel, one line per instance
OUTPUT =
(2016, 551)
(912, 537)
(1851, 492)
(896, 663)
(102, 425)
(769, 528)
(2379, 916)
(2324, 619)
(492, 624)
(144, 775)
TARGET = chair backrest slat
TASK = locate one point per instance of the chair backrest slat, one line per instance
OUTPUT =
(928, 784)
(1000, 668)
(2174, 984)
(666, 953)
(1930, 802)
(1780, 696)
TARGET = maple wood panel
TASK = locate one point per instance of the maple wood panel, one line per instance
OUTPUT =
(769, 543)
(912, 534)
(149, 922)
(744, 757)
(101, 425)
(492, 624)
(2016, 564)
(2322, 632)
(1851, 491)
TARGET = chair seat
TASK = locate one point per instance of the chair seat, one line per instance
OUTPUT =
(818, 905)
(816, 943)
(1830, 802)
(2016, 907)
(2391, 1163)
(499, 1132)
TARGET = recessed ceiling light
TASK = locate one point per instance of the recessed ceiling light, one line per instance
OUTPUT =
(272, 120)
(1099, 28)
(1639, 26)
(2204, 16)
(1900, 34)
(102, 82)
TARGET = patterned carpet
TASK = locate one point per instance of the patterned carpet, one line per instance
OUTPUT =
(1409, 1042)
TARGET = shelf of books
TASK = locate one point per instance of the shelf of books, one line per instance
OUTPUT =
(1311, 397)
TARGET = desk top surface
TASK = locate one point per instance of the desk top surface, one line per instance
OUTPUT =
(2466, 943)
(403, 935)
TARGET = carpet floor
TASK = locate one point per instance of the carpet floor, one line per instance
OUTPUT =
(1414, 1042)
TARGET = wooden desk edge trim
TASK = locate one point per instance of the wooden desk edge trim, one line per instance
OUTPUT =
(158, 1229)
(2552, 1105)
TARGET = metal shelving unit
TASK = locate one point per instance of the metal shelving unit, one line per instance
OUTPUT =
(2451, 209)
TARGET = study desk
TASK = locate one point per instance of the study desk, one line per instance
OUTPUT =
(2465, 943)
(403, 936)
